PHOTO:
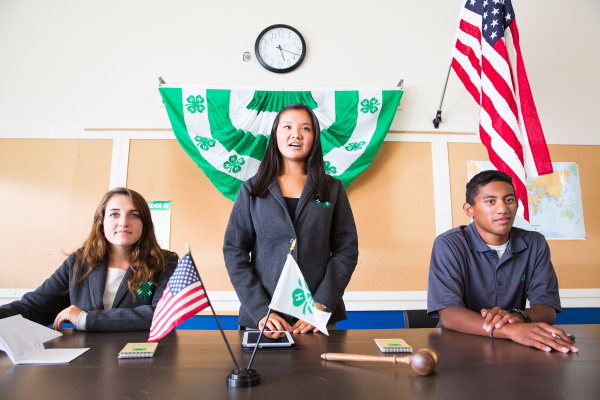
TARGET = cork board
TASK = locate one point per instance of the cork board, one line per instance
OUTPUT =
(49, 191)
(575, 261)
(392, 203)
(161, 170)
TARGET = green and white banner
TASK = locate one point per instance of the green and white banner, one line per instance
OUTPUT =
(226, 131)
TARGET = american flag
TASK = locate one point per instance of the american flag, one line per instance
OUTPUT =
(487, 58)
(183, 298)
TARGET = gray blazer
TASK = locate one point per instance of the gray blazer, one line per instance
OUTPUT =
(44, 304)
(326, 249)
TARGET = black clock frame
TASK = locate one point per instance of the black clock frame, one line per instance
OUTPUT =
(267, 66)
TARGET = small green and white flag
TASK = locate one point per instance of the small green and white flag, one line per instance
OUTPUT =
(292, 296)
(226, 131)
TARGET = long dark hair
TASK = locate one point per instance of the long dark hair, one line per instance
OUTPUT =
(272, 163)
(146, 257)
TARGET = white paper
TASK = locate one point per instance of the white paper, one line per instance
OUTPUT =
(160, 211)
(20, 341)
(54, 356)
(43, 333)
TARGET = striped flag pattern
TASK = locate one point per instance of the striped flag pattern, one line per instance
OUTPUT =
(487, 58)
(226, 131)
(183, 298)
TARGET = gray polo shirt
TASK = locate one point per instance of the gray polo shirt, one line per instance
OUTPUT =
(465, 272)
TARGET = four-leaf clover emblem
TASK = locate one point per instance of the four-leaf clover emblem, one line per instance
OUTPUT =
(234, 164)
(195, 104)
(302, 297)
(355, 146)
(325, 204)
(145, 290)
(330, 169)
(204, 143)
(369, 105)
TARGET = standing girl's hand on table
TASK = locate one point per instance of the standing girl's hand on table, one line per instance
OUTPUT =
(275, 323)
(303, 327)
(69, 314)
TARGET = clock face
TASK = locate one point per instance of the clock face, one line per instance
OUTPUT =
(280, 48)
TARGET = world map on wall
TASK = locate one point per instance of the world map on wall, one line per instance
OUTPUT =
(555, 207)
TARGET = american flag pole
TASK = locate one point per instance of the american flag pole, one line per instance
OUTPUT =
(187, 248)
(438, 115)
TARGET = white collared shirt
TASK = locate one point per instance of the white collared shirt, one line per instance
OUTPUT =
(499, 249)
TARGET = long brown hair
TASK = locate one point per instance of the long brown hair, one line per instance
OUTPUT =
(145, 259)
(271, 164)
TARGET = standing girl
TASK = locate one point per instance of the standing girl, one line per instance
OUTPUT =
(290, 198)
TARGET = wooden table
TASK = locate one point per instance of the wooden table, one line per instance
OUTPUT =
(194, 364)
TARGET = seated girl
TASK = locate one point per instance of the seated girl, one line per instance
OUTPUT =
(114, 281)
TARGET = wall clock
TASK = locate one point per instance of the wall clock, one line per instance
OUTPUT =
(280, 48)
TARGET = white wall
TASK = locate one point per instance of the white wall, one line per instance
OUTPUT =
(94, 64)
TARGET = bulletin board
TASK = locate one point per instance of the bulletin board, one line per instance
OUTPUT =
(575, 261)
(392, 202)
(49, 190)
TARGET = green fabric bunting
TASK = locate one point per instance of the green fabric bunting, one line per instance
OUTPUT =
(226, 131)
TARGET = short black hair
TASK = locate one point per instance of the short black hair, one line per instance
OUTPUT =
(482, 179)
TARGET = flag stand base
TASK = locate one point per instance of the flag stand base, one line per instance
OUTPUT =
(243, 377)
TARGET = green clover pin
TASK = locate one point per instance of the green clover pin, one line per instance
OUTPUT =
(523, 278)
(302, 297)
(145, 290)
(325, 204)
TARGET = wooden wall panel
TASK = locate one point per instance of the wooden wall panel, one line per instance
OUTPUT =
(393, 206)
(49, 189)
(161, 170)
(575, 261)
(392, 203)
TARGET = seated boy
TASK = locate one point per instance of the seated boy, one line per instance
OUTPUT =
(481, 275)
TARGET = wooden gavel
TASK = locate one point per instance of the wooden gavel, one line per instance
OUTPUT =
(423, 363)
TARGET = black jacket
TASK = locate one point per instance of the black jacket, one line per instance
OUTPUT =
(326, 249)
(43, 304)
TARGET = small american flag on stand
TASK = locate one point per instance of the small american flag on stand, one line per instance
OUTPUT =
(183, 298)
(487, 59)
